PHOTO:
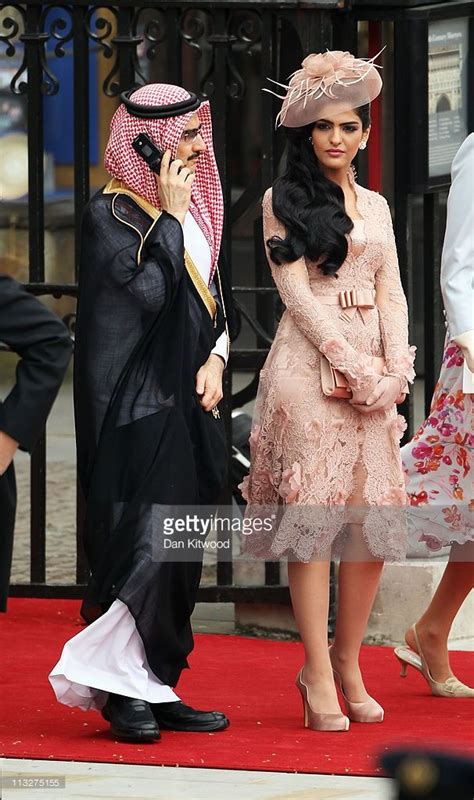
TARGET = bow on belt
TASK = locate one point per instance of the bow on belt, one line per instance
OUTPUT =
(350, 301)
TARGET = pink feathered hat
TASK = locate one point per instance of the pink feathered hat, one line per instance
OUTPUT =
(334, 80)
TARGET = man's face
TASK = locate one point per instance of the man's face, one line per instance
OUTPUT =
(191, 144)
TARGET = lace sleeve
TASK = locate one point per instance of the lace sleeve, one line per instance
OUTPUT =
(292, 282)
(393, 312)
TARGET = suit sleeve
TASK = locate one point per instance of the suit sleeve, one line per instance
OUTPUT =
(44, 346)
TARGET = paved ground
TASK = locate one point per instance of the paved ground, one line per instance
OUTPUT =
(95, 781)
(61, 500)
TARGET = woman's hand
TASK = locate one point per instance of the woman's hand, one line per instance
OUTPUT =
(209, 382)
(174, 186)
(382, 398)
(359, 397)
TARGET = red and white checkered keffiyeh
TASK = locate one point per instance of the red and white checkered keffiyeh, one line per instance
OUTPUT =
(122, 162)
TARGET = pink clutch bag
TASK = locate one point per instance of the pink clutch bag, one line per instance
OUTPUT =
(334, 383)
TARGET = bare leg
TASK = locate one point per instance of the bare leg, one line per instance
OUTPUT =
(309, 588)
(357, 587)
(434, 625)
(359, 577)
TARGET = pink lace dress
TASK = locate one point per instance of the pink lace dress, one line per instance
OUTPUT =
(311, 454)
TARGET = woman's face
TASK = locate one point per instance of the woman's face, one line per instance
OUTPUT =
(336, 139)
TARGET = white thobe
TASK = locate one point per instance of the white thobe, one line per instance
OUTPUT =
(198, 248)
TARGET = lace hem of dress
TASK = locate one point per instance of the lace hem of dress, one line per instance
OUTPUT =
(311, 533)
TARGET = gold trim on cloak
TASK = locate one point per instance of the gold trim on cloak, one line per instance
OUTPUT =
(115, 187)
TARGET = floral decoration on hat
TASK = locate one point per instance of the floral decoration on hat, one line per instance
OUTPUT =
(335, 75)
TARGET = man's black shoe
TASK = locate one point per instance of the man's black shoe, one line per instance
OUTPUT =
(130, 719)
(177, 716)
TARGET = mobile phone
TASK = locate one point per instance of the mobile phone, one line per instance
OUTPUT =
(145, 148)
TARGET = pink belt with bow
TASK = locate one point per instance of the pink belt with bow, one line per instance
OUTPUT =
(351, 300)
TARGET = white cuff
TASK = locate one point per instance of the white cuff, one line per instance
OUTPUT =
(221, 347)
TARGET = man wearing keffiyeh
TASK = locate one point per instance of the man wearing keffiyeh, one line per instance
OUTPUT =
(152, 340)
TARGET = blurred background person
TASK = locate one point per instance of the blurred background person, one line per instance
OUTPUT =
(43, 343)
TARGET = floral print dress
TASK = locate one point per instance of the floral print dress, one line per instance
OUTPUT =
(309, 452)
(438, 462)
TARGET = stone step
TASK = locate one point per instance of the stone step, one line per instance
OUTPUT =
(405, 591)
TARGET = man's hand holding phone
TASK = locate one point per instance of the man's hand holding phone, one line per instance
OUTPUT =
(174, 184)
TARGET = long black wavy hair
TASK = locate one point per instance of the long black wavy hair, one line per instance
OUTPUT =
(310, 206)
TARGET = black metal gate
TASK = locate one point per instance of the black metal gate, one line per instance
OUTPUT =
(224, 50)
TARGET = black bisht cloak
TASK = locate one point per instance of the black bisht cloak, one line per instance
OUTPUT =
(143, 440)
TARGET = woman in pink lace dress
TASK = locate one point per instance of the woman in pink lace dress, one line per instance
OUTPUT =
(331, 467)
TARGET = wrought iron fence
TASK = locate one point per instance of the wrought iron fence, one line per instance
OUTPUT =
(209, 48)
(224, 50)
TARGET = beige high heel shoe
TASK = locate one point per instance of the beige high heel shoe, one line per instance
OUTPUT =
(451, 687)
(315, 720)
(365, 711)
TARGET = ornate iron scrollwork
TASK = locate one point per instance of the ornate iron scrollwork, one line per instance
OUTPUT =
(245, 27)
(61, 30)
(196, 28)
(152, 30)
(20, 34)
(123, 43)
(14, 25)
(193, 26)
(105, 33)
(101, 29)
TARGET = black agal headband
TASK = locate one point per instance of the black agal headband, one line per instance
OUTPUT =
(159, 112)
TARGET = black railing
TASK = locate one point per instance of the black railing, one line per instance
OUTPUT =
(225, 50)
(214, 49)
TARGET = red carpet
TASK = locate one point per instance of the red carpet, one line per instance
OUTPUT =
(250, 679)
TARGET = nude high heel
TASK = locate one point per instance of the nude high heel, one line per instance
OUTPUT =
(365, 711)
(451, 687)
(315, 720)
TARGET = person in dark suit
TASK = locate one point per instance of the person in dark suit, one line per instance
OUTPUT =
(44, 346)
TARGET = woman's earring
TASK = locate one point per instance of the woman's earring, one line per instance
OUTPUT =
(363, 144)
